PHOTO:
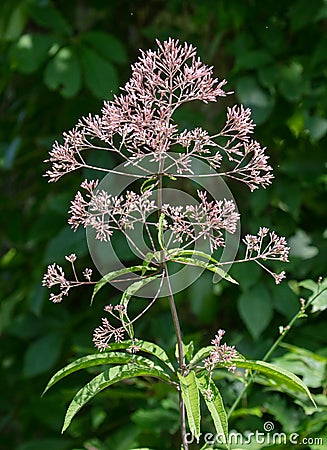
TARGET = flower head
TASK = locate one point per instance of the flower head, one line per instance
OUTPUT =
(222, 354)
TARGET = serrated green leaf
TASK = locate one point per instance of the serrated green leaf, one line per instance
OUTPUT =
(147, 347)
(180, 252)
(63, 73)
(106, 45)
(279, 375)
(320, 303)
(97, 359)
(100, 75)
(112, 357)
(191, 398)
(115, 274)
(106, 379)
(135, 287)
(188, 350)
(215, 406)
(205, 265)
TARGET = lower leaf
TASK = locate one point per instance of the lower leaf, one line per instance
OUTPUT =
(191, 398)
(215, 406)
(106, 379)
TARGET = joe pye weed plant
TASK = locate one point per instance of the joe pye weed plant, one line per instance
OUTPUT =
(167, 230)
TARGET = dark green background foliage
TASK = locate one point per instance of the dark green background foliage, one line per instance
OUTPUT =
(58, 61)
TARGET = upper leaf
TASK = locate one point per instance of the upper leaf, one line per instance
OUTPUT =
(115, 274)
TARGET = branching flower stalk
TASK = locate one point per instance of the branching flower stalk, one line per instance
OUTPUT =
(138, 127)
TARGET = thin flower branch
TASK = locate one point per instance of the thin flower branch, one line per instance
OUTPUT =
(104, 333)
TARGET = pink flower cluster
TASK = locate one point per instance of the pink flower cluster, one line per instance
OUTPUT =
(55, 276)
(106, 213)
(222, 354)
(105, 332)
(205, 220)
(267, 246)
(139, 123)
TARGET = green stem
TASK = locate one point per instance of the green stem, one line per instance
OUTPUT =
(181, 361)
(286, 330)
(175, 318)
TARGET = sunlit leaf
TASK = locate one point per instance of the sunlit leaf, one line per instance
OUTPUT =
(145, 346)
(113, 275)
(106, 379)
(279, 375)
(191, 398)
(310, 366)
(97, 359)
(215, 405)
(205, 265)
(113, 357)
(203, 353)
